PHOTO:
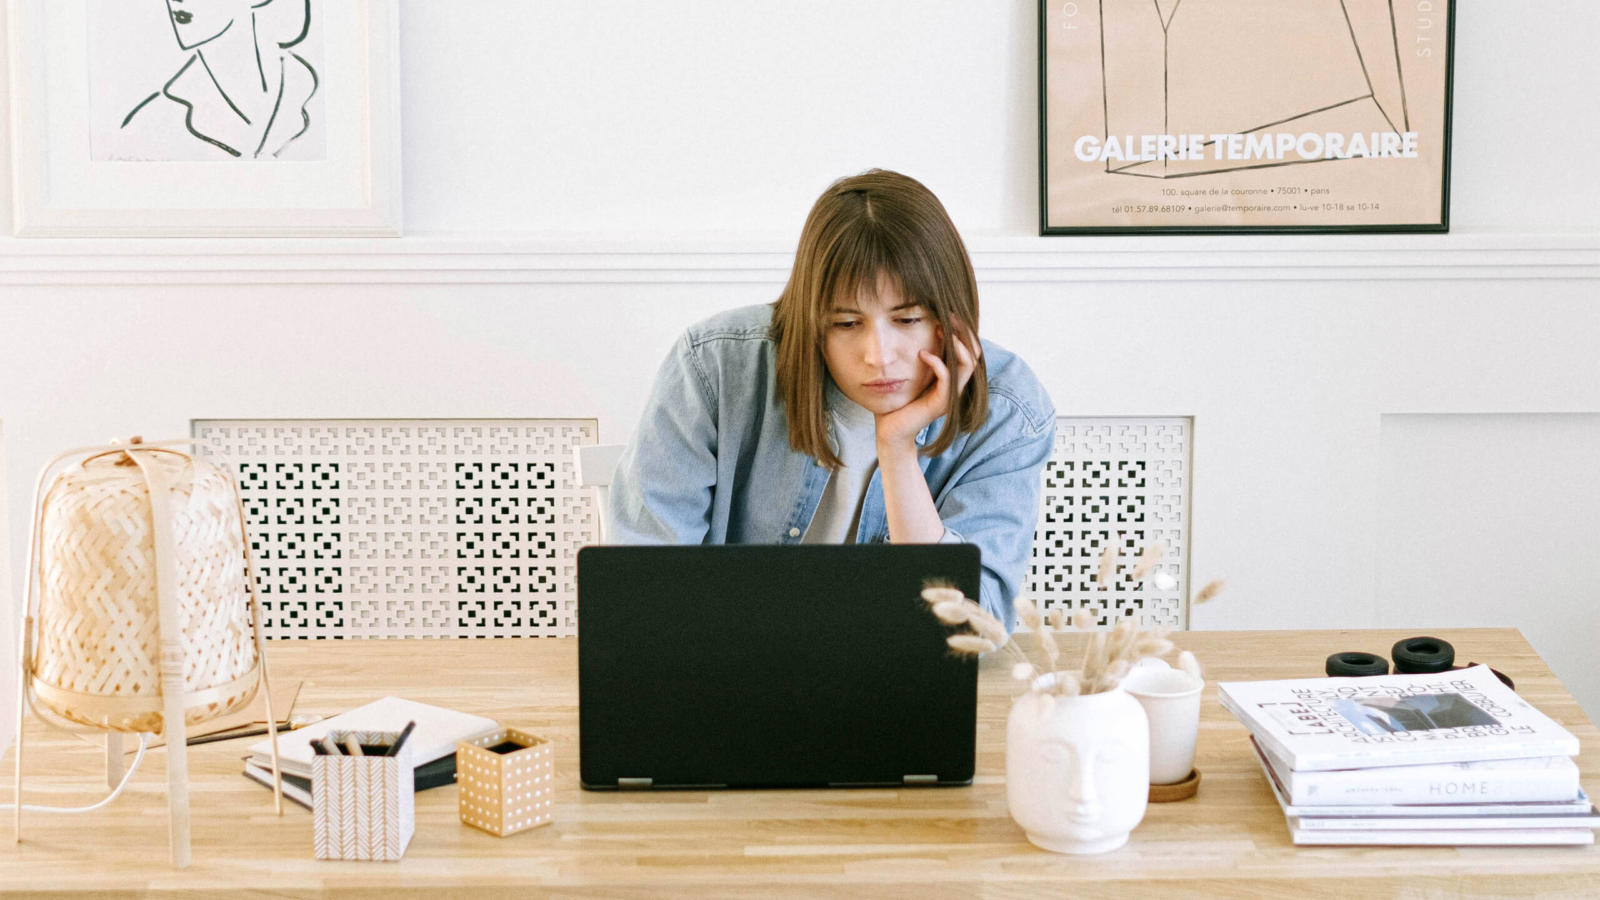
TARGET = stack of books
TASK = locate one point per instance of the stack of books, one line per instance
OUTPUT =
(1448, 758)
(433, 743)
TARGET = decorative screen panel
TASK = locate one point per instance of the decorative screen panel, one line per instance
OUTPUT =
(1122, 480)
(401, 528)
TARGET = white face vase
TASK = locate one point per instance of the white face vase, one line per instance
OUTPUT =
(1077, 769)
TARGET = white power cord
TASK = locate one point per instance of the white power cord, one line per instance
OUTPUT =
(144, 741)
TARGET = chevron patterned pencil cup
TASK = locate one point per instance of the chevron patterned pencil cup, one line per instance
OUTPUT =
(362, 807)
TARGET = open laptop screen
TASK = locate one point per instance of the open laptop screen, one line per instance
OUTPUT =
(747, 666)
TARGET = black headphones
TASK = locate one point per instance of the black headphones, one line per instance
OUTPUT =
(1414, 655)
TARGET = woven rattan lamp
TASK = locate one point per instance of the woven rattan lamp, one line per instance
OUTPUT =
(141, 613)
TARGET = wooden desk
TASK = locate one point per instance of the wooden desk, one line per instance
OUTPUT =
(1231, 840)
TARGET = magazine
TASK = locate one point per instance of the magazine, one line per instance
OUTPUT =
(1541, 824)
(440, 772)
(1502, 816)
(1579, 805)
(1590, 819)
(1317, 724)
(1504, 837)
(1541, 779)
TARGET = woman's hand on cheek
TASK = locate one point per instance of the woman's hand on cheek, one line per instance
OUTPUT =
(899, 429)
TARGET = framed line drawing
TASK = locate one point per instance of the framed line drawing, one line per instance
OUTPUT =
(205, 118)
(1194, 116)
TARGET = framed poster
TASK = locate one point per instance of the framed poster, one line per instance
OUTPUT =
(205, 117)
(1185, 116)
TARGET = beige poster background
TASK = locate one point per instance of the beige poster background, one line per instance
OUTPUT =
(1272, 108)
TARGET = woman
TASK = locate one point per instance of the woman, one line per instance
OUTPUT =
(860, 407)
(241, 94)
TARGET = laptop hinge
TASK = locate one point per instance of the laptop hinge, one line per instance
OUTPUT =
(921, 779)
(634, 783)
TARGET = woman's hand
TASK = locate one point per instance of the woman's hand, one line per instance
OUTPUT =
(900, 428)
(913, 519)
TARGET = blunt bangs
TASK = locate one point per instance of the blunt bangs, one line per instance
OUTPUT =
(877, 224)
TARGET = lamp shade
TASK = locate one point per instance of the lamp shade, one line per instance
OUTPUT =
(97, 660)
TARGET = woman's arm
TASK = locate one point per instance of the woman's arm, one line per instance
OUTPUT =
(992, 500)
(913, 519)
(661, 493)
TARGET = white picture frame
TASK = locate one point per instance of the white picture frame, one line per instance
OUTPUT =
(67, 183)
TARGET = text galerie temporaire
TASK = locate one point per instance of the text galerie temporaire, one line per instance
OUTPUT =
(1239, 147)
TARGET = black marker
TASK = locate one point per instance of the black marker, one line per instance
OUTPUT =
(394, 748)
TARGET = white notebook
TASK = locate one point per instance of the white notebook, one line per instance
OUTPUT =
(437, 733)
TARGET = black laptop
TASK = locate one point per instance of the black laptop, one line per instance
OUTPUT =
(769, 666)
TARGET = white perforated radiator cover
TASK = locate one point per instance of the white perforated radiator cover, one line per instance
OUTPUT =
(471, 528)
(1123, 480)
(412, 528)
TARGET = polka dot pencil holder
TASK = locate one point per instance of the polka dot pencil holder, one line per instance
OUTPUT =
(506, 781)
(362, 807)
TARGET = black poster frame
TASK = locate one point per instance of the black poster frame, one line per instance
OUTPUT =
(1046, 228)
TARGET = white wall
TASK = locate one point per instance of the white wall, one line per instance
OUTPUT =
(582, 180)
(1483, 513)
(8, 607)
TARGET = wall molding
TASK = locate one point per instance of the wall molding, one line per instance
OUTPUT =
(501, 259)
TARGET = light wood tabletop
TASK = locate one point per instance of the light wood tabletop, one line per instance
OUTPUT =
(1230, 840)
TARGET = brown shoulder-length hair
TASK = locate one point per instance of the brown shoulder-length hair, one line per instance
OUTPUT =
(867, 225)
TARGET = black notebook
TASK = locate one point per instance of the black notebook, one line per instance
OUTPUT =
(436, 773)
(771, 666)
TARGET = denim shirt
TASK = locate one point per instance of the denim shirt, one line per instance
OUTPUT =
(711, 461)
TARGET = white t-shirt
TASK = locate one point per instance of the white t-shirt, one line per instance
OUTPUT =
(856, 441)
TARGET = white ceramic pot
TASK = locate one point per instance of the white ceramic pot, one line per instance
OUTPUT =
(1077, 768)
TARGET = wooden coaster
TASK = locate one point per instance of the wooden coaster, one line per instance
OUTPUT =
(1182, 790)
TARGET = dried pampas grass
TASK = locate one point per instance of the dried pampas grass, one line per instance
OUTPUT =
(952, 612)
(938, 593)
(952, 607)
(1208, 593)
(1190, 665)
(1028, 612)
(1067, 685)
(970, 643)
(1108, 563)
(1147, 560)
(1110, 654)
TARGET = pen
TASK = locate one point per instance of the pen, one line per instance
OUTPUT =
(353, 746)
(317, 748)
(394, 748)
(291, 724)
(329, 748)
(230, 735)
